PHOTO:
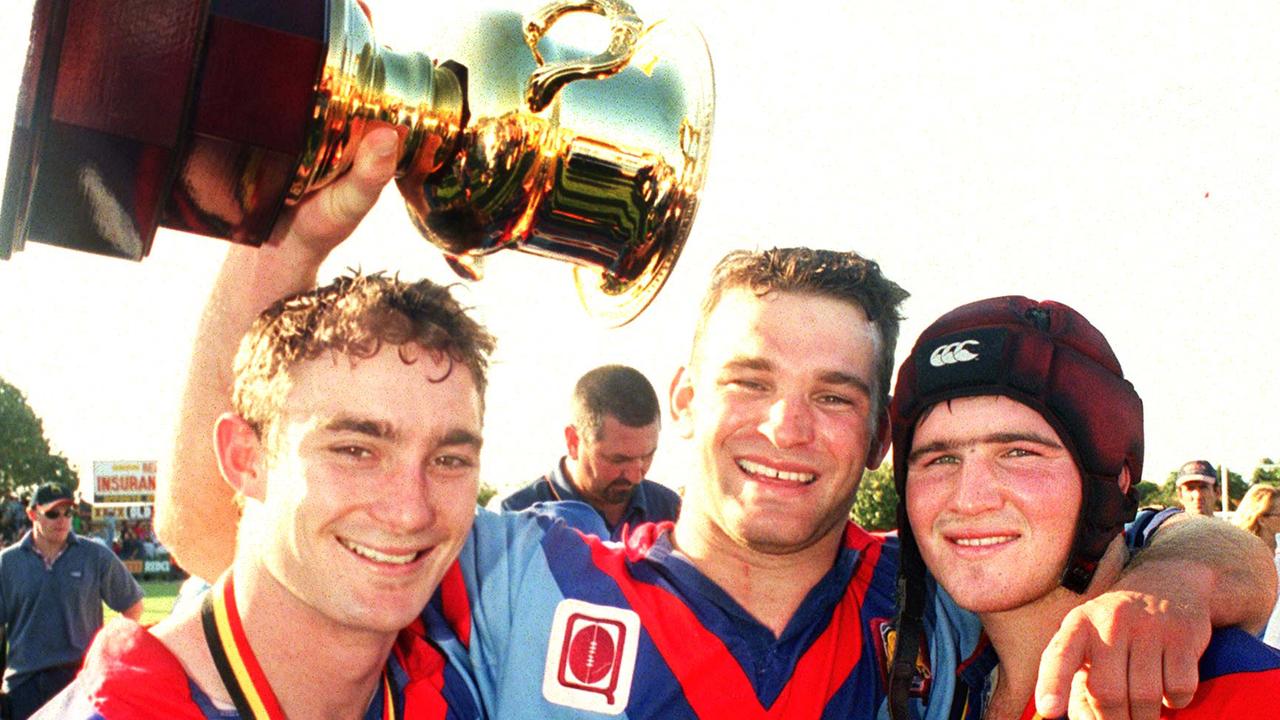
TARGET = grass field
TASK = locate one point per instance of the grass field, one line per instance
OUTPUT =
(157, 601)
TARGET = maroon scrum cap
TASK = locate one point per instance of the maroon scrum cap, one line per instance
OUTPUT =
(1050, 358)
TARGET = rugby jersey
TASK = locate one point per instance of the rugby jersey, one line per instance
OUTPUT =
(130, 674)
(559, 624)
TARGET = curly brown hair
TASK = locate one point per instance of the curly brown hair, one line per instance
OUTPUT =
(843, 276)
(355, 315)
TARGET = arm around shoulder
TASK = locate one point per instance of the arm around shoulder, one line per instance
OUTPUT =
(196, 517)
(1211, 563)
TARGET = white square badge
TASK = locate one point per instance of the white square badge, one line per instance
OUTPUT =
(591, 657)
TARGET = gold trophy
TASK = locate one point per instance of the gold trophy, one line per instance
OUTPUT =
(210, 117)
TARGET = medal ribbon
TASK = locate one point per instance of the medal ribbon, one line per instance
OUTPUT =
(237, 666)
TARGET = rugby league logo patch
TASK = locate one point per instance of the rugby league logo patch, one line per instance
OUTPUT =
(591, 657)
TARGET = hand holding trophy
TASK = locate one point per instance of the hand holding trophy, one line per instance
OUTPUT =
(210, 117)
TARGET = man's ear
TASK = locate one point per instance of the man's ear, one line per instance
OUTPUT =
(880, 440)
(241, 456)
(572, 441)
(679, 400)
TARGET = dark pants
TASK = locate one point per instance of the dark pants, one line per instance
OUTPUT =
(39, 688)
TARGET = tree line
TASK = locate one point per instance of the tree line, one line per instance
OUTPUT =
(26, 459)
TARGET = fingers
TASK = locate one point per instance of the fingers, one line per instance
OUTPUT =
(1146, 677)
(1105, 686)
(1080, 707)
(1065, 653)
(1181, 664)
(1116, 657)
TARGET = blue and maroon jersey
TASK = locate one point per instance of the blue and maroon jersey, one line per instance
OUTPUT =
(564, 625)
(129, 674)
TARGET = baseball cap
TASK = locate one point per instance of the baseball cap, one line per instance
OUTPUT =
(48, 495)
(1197, 471)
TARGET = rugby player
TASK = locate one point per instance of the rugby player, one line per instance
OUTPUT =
(353, 443)
(763, 599)
(1018, 443)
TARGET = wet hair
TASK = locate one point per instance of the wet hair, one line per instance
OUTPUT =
(832, 274)
(613, 390)
(356, 315)
(1256, 502)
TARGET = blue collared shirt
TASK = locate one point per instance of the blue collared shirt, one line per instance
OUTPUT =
(650, 501)
(51, 614)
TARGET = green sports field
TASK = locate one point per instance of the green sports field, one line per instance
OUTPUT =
(157, 601)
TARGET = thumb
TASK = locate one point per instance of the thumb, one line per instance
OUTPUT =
(327, 216)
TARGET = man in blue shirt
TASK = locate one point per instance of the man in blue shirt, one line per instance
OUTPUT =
(610, 445)
(52, 586)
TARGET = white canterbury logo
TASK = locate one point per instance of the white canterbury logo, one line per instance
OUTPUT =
(953, 353)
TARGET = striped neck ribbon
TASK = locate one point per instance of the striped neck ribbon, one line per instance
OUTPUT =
(238, 667)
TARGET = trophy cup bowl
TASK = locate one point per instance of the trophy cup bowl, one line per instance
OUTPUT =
(211, 117)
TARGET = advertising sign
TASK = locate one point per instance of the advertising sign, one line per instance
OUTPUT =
(124, 481)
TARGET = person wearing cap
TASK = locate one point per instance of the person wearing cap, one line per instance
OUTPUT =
(1017, 447)
(52, 586)
(1198, 487)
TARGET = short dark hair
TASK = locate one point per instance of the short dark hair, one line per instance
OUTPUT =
(355, 315)
(613, 390)
(843, 276)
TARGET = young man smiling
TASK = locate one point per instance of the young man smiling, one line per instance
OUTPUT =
(1017, 460)
(760, 602)
(353, 443)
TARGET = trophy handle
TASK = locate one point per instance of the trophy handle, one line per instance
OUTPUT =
(547, 80)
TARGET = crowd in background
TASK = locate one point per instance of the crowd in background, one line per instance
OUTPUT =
(129, 539)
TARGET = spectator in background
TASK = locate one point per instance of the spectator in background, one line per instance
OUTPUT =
(84, 514)
(130, 546)
(10, 511)
(610, 444)
(108, 531)
(1259, 513)
(52, 586)
(1198, 487)
(23, 522)
(5, 522)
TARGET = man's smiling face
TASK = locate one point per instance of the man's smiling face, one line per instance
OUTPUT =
(993, 497)
(372, 471)
(778, 402)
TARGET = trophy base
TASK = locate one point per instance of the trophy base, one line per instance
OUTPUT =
(140, 114)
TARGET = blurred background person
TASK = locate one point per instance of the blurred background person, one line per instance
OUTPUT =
(1198, 487)
(52, 586)
(610, 444)
(1259, 513)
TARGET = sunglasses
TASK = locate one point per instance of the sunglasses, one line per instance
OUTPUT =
(58, 513)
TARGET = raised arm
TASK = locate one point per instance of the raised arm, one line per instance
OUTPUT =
(195, 516)
(1119, 654)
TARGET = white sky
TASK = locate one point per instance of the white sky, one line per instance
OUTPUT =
(1124, 160)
